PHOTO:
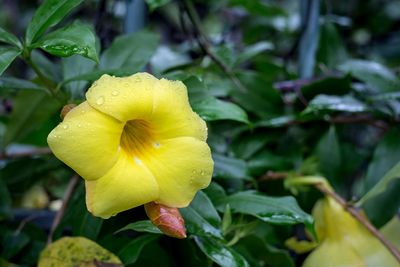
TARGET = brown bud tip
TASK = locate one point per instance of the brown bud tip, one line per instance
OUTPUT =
(167, 219)
(67, 108)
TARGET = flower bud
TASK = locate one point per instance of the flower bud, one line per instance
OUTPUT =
(67, 108)
(167, 219)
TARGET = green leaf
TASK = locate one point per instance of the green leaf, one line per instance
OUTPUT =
(49, 69)
(228, 167)
(373, 74)
(335, 103)
(5, 201)
(331, 50)
(253, 50)
(256, 250)
(201, 218)
(132, 51)
(259, 97)
(329, 156)
(15, 84)
(220, 253)
(203, 205)
(72, 67)
(141, 226)
(154, 4)
(7, 56)
(386, 155)
(276, 210)
(246, 146)
(267, 161)
(9, 38)
(74, 39)
(31, 110)
(213, 109)
(130, 253)
(384, 201)
(15, 242)
(50, 13)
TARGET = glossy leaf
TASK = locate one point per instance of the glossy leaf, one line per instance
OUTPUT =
(220, 253)
(74, 39)
(212, 109)
(9, 38)
(132, 51)
(373, 74)
(7, 56)
(335, 103)
(331, 50)
(276, 210)
(253, 50)
(130, 253)
(230, 168)
(35, 107)
(201, 218)
(141, 226)
(50, 13)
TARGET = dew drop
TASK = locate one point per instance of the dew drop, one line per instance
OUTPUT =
(194, 172)
(100, 100)
(156, 145)
(65, 126)
(137, 79)
(137, 160)
(115, 93)
(79, 125)
(202, 172)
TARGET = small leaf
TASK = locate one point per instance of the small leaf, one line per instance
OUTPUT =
(35, 107)
(335, 103)
(9, 38)
(230, 168)
(276, 210)
(141, 226)
(74, 39)
(331, 50)
(5, 201)
(130, 253)
(11, 83)
(154, 4)
(201, 217)
(50, 13)
(76, 251)
(220, 253)
(132, 51)
(7, 56)
(15, 242)
(373, 74)
(212, 109)
(253, 50)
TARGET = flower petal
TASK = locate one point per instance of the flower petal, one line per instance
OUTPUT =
(124, 98)
(172, 113)
(87, 141)
(181, 166)
(127, 185)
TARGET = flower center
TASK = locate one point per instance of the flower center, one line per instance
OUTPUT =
(137, 138)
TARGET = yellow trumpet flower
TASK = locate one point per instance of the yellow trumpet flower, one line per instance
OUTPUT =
(135, 140)
(344, 241)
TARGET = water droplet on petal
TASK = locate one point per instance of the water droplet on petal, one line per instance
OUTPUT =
(100, 100)
(137, 79)
(79, 125)
(137, 160)
(115, 92)
(156, 145)
(65, 126)
(202, 172)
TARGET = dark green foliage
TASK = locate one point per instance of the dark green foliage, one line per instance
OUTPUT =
(280, 97)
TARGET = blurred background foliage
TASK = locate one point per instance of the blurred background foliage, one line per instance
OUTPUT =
(301, 87)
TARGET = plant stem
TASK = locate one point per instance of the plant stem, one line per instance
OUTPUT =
(67, 196)
(205, 46)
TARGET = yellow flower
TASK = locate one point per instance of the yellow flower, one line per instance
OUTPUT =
(344, 241)
(135, 140)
